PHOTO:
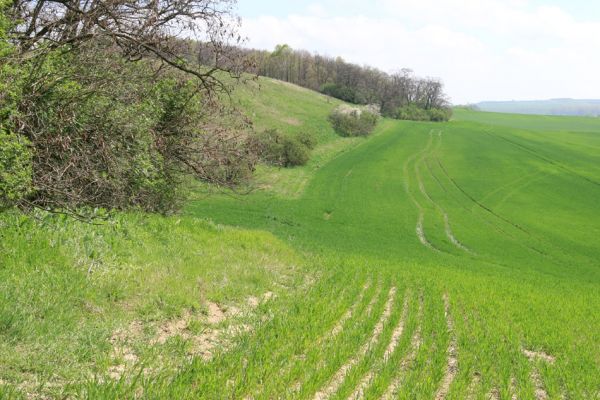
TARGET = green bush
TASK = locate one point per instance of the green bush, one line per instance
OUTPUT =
(440, 114)
(15, 169)
(278, 149)
(295, 153)
(413, 112)
(349, 122)
(307, 139)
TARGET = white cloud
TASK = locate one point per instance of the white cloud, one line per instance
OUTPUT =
(482, 49)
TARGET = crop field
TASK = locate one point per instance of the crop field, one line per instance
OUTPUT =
(474, 252)
(453, 260)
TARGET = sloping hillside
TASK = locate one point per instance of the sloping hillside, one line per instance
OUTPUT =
(429, 261)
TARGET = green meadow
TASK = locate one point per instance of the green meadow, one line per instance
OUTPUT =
(453, 260)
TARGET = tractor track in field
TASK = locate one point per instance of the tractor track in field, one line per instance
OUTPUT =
(447, 228)
(509, 185)
(535, 238)
(359, 392)
(518, 188)
(407, 361)
(338, 379)
(419, 229)
(452, 355)
(540, 156)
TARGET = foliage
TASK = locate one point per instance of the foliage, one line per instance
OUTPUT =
(282, 150)
(116, 116)
(353, 121)
(414, 113)
(15, 169)
(341, 92)
(307, 139)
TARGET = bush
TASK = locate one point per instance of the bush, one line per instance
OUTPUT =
(307, 139)
(278, 149)
(295, 153)
(348, 121)
(413, 112)
(114, 134)
(15, 169)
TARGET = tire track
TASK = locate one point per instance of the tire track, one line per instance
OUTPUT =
(452, 361)
(415, 344)
(338, 379)
(447, 228)
(362, 387)
(419, 229)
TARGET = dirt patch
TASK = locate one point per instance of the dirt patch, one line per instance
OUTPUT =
(540, 392)
(203, 344)
(452, 352)
(539, 355)
(292, 121)
(494, 394)
(396, 333)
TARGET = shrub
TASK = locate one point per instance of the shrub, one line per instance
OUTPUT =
(307, 139)
(278, 149)
(348, 121)
(440, 114)
(295, 153)
(15, 169)
(413, 112)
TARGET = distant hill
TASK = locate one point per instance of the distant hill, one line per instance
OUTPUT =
(544, 107)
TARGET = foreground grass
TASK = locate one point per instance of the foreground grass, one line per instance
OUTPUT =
(67, 289)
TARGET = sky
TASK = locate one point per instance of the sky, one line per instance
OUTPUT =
(480, 49)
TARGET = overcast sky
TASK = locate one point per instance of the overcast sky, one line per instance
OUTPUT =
(481, 49)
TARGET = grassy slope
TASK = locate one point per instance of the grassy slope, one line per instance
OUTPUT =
(519, 195)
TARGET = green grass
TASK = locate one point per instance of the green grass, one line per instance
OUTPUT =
(519, 271)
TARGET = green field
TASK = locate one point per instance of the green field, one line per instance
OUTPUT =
(453, 260)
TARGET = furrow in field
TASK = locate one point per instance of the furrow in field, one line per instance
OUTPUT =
(359, 393)
(415, 343)
(338, 379)
(452, 352)
(474, 386)
(536, 379)
(339, 326)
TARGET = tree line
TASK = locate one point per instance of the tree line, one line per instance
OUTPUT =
(400, 95)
